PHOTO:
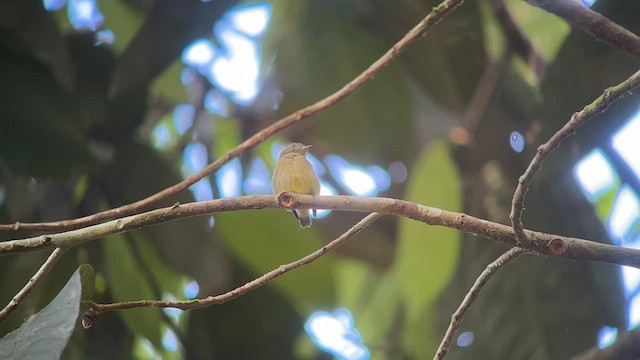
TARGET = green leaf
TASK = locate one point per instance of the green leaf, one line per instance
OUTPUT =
(168, 85)
(121, 18)
(380, 311)
(45, 335)
(88, 281)
(127, 283)
(546, 31)
(355, 281)
(264, 240)
(427, 255)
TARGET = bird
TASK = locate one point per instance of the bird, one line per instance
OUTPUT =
(294, 173)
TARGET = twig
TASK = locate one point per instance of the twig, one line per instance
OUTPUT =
(414, 34)
(548, 244)
(252, 285)
(471, 297)
(626, 347)
(593, 23)
(517, 39)
(483, 93)
(597, 106)
(44, 269)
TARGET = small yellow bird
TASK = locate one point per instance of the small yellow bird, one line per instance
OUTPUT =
(294, 173)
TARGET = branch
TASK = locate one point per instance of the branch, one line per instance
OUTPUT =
(471, 297)
(484, 91)
(597, 106)
(414, 34)
(542, 243)
(517, 39)
(252, 285)
(593, 23)
(44, 269)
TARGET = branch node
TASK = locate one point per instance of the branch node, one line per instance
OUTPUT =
(286, 200)
(175, 206)
(557, 247)
(89, 318)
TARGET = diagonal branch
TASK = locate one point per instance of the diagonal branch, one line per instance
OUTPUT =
(241, 290)
(414, 34)
(518, 40)
(44, 269)
(542, 243)
(597, 106)
(471, 297)
(593, 23)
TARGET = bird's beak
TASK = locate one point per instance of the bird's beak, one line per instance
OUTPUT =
(306, 147)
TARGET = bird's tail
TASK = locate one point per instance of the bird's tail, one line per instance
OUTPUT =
(304, 219)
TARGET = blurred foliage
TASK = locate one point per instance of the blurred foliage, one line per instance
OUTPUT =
(75, 138)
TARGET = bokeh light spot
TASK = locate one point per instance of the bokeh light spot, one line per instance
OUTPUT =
(595, 174)
(169, 340)
(251, 20)
(183, 116)
(199, 54)
(216, 103)
(625, 215)
(626, 142)
(237, 71)
(517, 142)
(607, 336)
(104, 37)
(84, 15)
(381, 177)
(188, 76)
(353, 178)
(191, 289)
(398, 172)
(195, 157)
(258, 180)
(53, 5)
(160, 136)
(336, 334)
(202, 190)
(326, 190)
(465, 339)
(229, 179)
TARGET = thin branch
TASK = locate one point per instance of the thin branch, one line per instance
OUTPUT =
(44, 269)
(518, 40)
(597, 106)
(252, 285)
(593, 23)
(471, 297)
(547, 244)
(493, 71)
(414, 34)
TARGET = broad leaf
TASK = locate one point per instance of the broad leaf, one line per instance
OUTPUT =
(427, 256)
(45, 334)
